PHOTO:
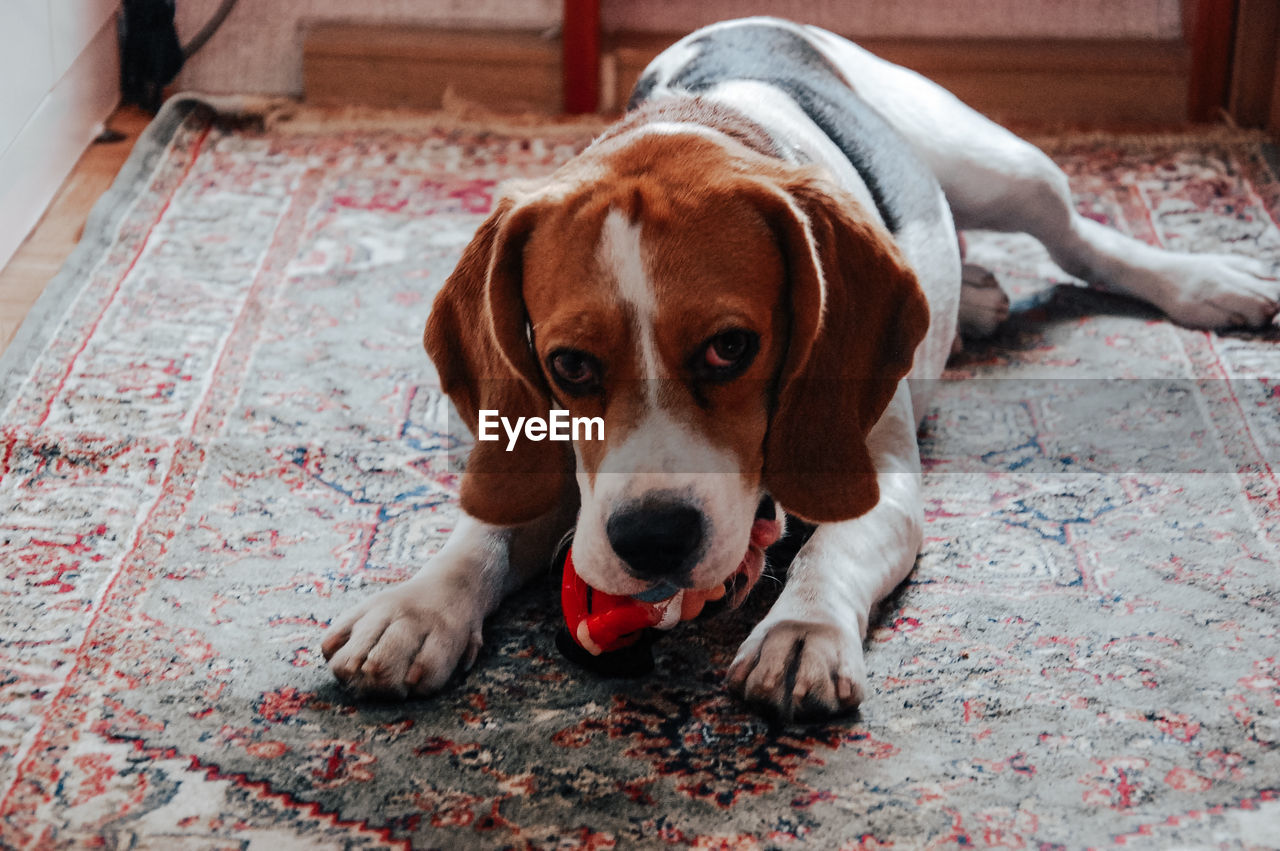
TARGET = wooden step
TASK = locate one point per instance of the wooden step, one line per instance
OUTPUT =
(412, 67)
(1091, 83)
(1080, 83)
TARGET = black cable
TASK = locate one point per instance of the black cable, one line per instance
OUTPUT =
(206, 32)
(150, 53)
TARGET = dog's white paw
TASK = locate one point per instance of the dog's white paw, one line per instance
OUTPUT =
(1216, 291)
(404, 640)
(983, 303)
(800, 669)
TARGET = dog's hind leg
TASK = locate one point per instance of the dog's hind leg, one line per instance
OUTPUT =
(995, 180)
(1025, 191)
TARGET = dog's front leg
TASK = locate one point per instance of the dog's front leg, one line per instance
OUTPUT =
(411, 638)
(805, 657)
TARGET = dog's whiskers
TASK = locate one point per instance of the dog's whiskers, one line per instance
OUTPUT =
(560, 552)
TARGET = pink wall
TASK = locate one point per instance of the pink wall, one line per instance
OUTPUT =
(950, 18)
(259, 48)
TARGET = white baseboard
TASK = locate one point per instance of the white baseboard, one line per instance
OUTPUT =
(48, 145)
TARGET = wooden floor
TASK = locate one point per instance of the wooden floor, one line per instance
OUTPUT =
(46, 248)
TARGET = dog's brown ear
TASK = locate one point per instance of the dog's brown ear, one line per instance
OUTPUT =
(857, 315)
(476, 336)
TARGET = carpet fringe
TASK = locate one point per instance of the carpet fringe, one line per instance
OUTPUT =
(1207, 135)
(290, 116)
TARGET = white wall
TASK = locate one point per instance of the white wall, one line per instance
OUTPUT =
(60, 67)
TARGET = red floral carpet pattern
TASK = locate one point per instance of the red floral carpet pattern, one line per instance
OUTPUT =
(219, 430)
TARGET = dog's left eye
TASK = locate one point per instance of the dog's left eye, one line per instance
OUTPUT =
(577, 373)
(728, 354)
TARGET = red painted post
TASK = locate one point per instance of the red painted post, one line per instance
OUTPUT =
(580, 55)
(1212, 31)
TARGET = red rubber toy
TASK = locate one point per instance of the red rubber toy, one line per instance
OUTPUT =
(612, 635)
(600, 622)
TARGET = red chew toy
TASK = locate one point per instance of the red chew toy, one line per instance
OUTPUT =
(611, 635)
(601, 623)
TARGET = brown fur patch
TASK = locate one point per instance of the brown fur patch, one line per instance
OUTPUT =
(732, 238)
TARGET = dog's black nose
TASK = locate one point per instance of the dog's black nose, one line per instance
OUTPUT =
(657, 537)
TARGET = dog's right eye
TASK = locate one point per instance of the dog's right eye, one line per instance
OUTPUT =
(726, 355)
(576, 372)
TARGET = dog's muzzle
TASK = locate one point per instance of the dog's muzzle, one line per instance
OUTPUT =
(765, 530)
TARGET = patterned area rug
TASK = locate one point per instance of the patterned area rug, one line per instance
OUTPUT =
(219, 430)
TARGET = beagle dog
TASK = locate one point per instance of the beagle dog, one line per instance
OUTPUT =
(739, 278)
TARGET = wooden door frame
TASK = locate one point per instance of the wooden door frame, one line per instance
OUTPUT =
(1235, 62)
(1210, 30)
(1253, 99)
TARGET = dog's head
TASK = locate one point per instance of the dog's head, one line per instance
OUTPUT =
(739, 324)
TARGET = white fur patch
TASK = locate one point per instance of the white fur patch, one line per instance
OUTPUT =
(679, 128)
(661, 454)
(621, 253)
